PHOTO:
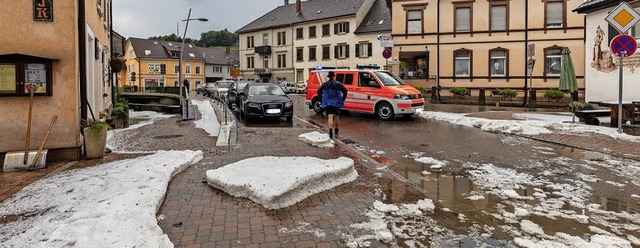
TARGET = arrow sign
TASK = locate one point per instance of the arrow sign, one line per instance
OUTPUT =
(623, 45)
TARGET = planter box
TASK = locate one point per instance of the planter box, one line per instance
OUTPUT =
(95, 146)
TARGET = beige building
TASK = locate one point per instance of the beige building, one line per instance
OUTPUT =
(288, 42)
(483, 44)
(68, 64)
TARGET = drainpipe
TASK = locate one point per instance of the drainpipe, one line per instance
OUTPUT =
(114, 79)
(526, 57)
(438, 50)
(82, 54)
(293, 50)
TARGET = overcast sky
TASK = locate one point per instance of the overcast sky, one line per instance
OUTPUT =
(145, 18)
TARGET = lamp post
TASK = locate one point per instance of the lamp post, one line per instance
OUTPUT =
(180, 80)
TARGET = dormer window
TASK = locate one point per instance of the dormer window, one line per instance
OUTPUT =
(190, 45)
(147, 52)
(170, 44)
(192, 55)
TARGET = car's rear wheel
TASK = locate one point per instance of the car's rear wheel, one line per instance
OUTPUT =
(317, 106)
(384, 111)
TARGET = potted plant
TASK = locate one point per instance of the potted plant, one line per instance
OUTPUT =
(117, 64)
(120, 115)
(553, 94)
(459, 92)
(95, 139)
(507, 94)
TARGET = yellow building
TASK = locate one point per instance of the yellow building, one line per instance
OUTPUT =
(483, 44)
(150, 58)
(43, 45)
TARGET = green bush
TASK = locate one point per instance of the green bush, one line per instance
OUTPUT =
(553, 94)
(507, 92)
(459, 91)
(423, 89)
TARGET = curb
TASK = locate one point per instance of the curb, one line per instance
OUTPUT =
(224, 133)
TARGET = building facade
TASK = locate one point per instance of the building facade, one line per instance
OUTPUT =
(291, 40)
(67, 64)
(218, 63)
(155, 64)
(483, 44)
(602, 66)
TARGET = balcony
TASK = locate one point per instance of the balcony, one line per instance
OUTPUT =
(263, 71)
(263, 49)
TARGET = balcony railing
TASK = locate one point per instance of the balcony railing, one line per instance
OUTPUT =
(263, 49)
(263, 71)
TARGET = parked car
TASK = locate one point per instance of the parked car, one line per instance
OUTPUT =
(265, 100)
(208, 89)
(220, 89)
(301, 89)
(235, 89)
(372, 91)
(288, 87)
(199, 88)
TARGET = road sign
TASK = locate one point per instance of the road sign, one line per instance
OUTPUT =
(531, 50)
(623, 17)
(393, 62)
(235, 72)
(386, 40)
(623, 45)
(386, 53)
(530, 64)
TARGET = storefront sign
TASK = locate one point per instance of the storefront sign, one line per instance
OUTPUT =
(43, 10)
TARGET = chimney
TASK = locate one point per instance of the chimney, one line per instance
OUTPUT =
(228, 50)
(286, 2)
(298, 6)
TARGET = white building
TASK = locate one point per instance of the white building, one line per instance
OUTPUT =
(288, 42)
(218, 63)
(601, 65)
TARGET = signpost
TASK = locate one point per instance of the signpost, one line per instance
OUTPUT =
(531, 51)
(386, 54)
(622, 18)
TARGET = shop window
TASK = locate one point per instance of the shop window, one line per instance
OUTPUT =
(19, 72)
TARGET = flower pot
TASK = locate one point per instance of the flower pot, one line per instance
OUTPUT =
(95, 145)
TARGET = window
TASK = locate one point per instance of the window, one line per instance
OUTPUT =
(312, 53)
(265, 39)
(414, 65)
(299, 34)
(498, 62)
(414, 21)
(187, 69)
(197, 70)
(363, 50)
(498, 17)
(552, 61)
(250, 63)
(299, 76)
(326, 52)
(312, 32)
(344, 78)
(341, 28)
(131, 54)
(341, 51)
(462, 63)
(555, 14)
(299, 54)
(266, 62)
(153, 68)
(326, 30)
(282, 38)
(176, 69)
(463, 19)
(282, 60)
(250, 42)
(365, 79)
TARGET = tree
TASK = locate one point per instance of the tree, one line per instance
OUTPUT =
(174, 38)
(218, 38)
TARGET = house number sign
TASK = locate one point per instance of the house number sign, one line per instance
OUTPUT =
(43, 10)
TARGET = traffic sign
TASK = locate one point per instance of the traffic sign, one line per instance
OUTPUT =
(235, 72)
(623, 17)
(623, 45)
(530, 64)
(531, 50)
(386, 53)
(385, 40)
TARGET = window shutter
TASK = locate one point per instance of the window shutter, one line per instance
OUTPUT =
(554, 12)
(369, 49)
(335, 28)
(346, 50)
(463, 22)
(499, 17)
(357, 50)
(335, 51)
(347, 28)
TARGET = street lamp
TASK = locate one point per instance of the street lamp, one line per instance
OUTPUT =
(180, 80)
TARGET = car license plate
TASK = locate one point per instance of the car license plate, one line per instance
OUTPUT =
(273, 111)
